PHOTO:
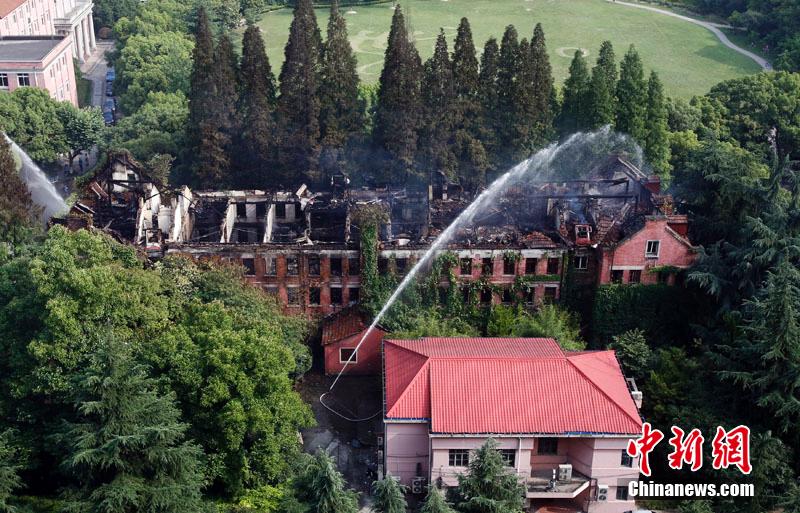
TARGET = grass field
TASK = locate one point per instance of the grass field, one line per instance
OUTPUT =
(689, 58)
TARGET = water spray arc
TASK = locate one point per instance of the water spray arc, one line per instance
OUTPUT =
(571, 153)
(43, 193)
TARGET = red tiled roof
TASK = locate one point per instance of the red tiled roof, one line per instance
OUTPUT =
(7, 6)
(475, 385)
(342, 325)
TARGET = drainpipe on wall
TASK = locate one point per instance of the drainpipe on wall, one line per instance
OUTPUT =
(519, 452)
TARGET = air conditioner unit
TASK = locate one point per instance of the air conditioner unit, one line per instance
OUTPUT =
(380, 441)
(602, 492)
(418, 485)
(565, 472)
(380, 454)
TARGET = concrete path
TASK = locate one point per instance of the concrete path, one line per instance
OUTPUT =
(95, 68)
(713, 27)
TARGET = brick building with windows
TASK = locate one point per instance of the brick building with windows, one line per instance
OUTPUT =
(303, 246)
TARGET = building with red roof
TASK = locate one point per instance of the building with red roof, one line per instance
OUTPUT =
(341, 334)
(562, 419)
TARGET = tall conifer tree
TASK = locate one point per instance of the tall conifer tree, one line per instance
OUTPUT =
(438, 108)
(631, 97)
(468, 148)
(543, 90)
(508, 69)
(341, 109)
(656, 144)
(128, 446)
(576, 110)
(604, 84)
(299, 103)
(226, 72)
(208, 146)
(256, 141)
(398, 111)
(488, 97)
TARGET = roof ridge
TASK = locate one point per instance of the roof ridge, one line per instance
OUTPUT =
(600, 389)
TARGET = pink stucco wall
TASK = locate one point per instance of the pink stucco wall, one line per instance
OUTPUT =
(31, 18)
(368, 359)
(406, 446)
(597, 458)
(55, 73)
(630, 254)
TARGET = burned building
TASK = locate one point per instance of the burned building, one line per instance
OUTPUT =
(303, 245)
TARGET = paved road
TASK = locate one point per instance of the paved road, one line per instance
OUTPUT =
(95, 68)
(713, 27)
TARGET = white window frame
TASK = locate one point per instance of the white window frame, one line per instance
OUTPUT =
(650, 254)
(585, 259)
(344, 360)
(27, 78)
(5, 79)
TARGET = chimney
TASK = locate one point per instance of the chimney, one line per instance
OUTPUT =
(637, 398)
(679, 223)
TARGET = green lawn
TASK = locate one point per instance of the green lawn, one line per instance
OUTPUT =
(689, 58)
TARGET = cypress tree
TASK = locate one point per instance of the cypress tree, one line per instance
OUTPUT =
(576, 110)
(543, 90)
(389, 496)
(128, 446)
(434, 502)
(465, 79)
(656, 144)
(226, 72)
(604, 83)
(488, 97)
(298, 105)
(322, 487)
(471, 156)
(438, 104)
(631, 97)
(488, 486)
(207, 146)
(17, 212)
(398, 111)
(514, 121)
(341, 109)
(256, 141)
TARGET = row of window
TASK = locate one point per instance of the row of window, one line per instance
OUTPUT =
(293, 295)
(23, 80)
(509, 266)
(544, 447)
(312, 263)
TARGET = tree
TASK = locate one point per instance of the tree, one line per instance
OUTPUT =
(389, 496)
(434, 502)
(226, 74)
(207, 143)
(603, 86)
(656, 142)
(543, 91)
(341, 108)
(299, 102)
(37, 127)
(438, 112)
(633, 352)
(9, 468)
(17, 212)
(576, 110)
(631, 97)
(398, 111)
(514, 108)
(157, 127)
(128, 446)
(487, 485)
(488, 94)
(553, 322)
(256, 140)
(153, 63)
(322, 488)
(83, 128)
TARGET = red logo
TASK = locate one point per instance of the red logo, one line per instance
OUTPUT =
(732, 448)
(644, 445)
(687, 449)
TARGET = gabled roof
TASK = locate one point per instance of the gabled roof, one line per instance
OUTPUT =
(343, 324)
(9, 6)
(506, 385)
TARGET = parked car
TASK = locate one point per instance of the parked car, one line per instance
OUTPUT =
(108, 117)
(109, 88)
(110, 105)
(111, 75)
